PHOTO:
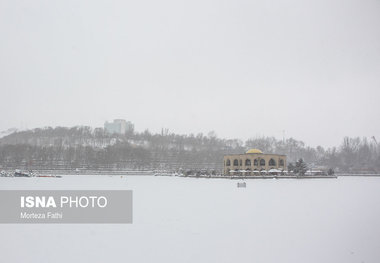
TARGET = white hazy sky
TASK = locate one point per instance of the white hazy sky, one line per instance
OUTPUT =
(241, 68)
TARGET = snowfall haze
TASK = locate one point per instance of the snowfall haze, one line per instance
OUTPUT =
(241, 68)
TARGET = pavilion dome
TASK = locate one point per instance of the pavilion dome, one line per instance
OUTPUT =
(254, 151)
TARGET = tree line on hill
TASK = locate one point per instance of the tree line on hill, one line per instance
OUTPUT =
(84, 147)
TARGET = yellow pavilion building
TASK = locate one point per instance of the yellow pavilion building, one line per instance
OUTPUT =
(254, 162)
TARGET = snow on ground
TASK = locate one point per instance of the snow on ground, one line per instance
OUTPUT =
(210, 220)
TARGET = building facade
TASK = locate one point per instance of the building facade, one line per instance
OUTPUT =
(119, 126)
(253, 162)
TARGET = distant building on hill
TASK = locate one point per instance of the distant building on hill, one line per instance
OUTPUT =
(119, 126)
(254, 162)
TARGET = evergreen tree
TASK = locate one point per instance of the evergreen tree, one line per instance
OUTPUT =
(301, 167)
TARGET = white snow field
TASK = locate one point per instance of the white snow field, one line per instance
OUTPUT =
(210, 220)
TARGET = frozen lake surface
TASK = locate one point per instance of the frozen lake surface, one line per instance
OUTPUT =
(210, 220)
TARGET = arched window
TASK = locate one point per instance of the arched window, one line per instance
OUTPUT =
(255, 162)
(262, 162)
(281, 162)
(248, 162)
(272, 162)
(228, 163)
(236, 162)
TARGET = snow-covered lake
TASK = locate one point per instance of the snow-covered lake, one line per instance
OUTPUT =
(210, 220)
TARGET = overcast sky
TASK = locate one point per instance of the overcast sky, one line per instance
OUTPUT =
(242, 68)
